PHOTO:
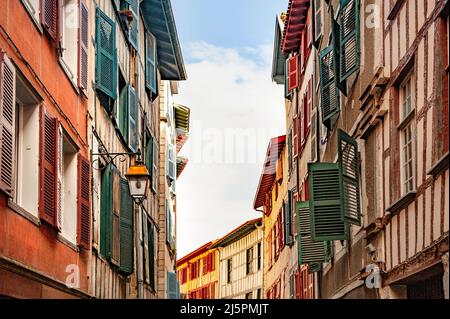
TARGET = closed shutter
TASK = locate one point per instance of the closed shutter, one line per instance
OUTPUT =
(124, 112)
(106, 59)
(172, 286)
(106, 212)
(133, 119)
(84, 202)
(126, 228)
(293, 72)
(328, 89)
(309, 251)
(349, 38)
(49, 17)
(48, 168)
(325, 202)
(134, 30)
(150, 63)
(83, 43)
(349, 178)
(7, 123)
(116, 207)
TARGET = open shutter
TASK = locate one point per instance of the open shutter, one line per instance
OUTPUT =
(83, 43)
(349, 178)
(48, 168)
(133, 32)
(309, 251)
(328, 89)
(126, 228)
(106, 60)
(151, 255)
(325, 202)
(84, 202)
(124, 112)
(49, 17)
(150, 63)
(133, 119)
(116, 208)
(155, 163)
(349, 38)
(106, 212)
(172, 285)
(146, 242)
(293, 72)
(7, 123)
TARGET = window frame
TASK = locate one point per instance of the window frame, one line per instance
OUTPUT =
(249, 261)
(229, 270)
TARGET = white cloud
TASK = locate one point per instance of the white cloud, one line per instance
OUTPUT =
(227, 89)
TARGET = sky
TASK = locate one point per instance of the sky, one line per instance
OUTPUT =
(235, 110)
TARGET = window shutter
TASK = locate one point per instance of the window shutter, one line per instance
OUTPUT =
(48, 168)
(133, 119)
(150, 66)
(83, 43)
(305, 118)
(146, 244)
(287, 216)
(349, 38)
(149, 153)
(349, 178)
(49, 17)
(315, 267)
(133, 32)
(289, 142)
(155, 176)
(106, 59)
(172, 286)
(7, 123)
(170, 162)
(124, 112)
(126, 228)
(328, 89)
(336, 37)
(293, 72)
(295, 136)
(325, 202)
(106, 212)
(116, 207)
(84, 202)
(309, 251)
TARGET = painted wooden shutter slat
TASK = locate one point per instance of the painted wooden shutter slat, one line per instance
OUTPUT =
(328, 89)
(106, 60)
(116, 207)
(124, 113)
(126, 228)
(325, 202)
(150, 66)
(84, 202)
(349, 38)
(83, 42)
(172, 286)
(134, 30)
(349, 178)
(155, 165)
(293, 72)
(48, 168)
(146, 242)
(133, 118)
(106, 212)
(49, 17)
(7, 123)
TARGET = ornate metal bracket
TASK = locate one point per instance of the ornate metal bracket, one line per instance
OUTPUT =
(110, 158)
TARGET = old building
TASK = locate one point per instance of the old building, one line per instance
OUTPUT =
(45, 220)
(241, 262)
(198, 273)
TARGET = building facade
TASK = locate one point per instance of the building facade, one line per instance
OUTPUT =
(198, 273)
(241, 262)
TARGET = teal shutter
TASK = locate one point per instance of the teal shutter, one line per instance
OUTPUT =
(349, 38)
(349, 178)
(151, 254)
(106, 213)
(106, 58)
(123, 113)
(325, 202)
(328, 89)
(150, 63)
(309, 251)
(133, 119)
(126, 228)
(133, 32)
(172, 286)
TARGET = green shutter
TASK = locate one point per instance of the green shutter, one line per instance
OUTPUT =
(336, 31)
(325, 202)
(124, 113)
(149, 153)
(290, 149)
(150, 65)
(328, 89)
(106, 57)
(133, 119)
(349, 38)
(106, 213)
(349, 178)
(309, 251)
(329, 251)
(151, 254)
(172, 286)
(126, 228)
(315, 267)
(134, 30)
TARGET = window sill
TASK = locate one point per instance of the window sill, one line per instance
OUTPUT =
(395, 9)
(441, 165)
(23, 212)
(68, 243)
(406, 120)
(402, 202)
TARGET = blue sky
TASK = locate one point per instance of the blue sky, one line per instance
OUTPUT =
(227, 48)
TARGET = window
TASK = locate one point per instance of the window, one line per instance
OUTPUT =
(170, 225)
(170, 171)
(318, 16)
(287, 220)
(259, 252)
(149, 253)
(69, 23)
(349, 38)
(150, 66)
(33, 7)
(248, 295)
(249, 261)
(407, 136)
(292, 286)
(229, 269)
(155, 165)
(258, 293)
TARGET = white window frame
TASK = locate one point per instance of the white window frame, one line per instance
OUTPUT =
(34, 10)
(70, 70)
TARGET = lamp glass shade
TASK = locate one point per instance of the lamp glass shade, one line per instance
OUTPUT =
(138, 178)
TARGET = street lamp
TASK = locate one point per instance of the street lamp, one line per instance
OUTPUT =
(138, 178)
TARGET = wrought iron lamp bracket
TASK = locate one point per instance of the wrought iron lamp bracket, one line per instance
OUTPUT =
(110, 158)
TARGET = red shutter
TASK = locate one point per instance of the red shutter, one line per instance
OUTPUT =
(84, 203)
(49, 16)
(7, 123)
(83, 43)
(48, 167)
(293, 73)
